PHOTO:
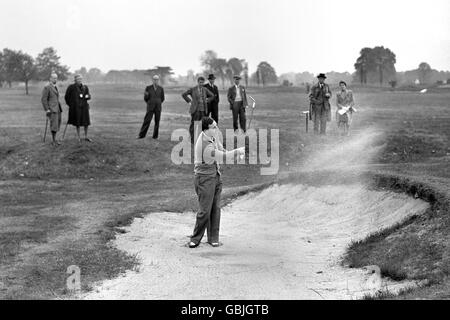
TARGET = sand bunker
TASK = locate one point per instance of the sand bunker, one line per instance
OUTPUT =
(282, 243)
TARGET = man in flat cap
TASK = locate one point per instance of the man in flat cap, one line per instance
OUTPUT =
(154, 97)
(237, 97)
(320, 109)
(52, 106)
(198, 98)
(213, 105)
(77, 97)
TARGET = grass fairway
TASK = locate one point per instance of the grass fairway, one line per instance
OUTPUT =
(61, 206)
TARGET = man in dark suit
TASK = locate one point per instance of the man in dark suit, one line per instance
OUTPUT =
(52, 106)
(237, 97)
(213, 105)
(320, 111)
(198, 98)
(154, 96)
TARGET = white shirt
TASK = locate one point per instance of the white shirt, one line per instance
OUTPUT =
(238, 93)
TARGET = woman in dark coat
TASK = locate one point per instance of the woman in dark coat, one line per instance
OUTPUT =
(77, 97)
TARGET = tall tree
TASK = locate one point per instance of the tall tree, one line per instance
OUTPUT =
(207, 60)
(235, 67)
(2, 70)
(385, 61)
(425, 72)
(246, 74)
(267, 73)
(362, 64)
(25, 69)
(9, 65)
(219, 67)
(376, 65)
(163, 72)
(48, 62)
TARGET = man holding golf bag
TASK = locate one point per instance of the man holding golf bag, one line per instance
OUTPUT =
(52, 107)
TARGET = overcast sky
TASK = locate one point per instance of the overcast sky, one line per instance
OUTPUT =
(302, 35)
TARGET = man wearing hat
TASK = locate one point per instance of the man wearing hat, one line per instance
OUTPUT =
(77, 97)
(320, 109)
(154, 97)
(198, 98)
(237, 97)
(213, 105)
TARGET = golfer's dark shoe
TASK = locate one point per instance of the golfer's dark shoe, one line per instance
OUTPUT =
(192, 244)
(87, 139)
(139, 137)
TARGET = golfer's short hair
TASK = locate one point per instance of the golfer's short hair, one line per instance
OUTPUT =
(342, 82)
(200, 79)
(206, 122)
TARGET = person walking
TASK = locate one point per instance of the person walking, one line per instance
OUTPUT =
(344, 112)
(208, 184)
(320, 111)
(154, 97)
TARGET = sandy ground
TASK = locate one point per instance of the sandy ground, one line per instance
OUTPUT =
(284, 242)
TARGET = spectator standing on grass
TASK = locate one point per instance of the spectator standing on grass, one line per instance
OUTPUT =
(208, 183)
(344, 112)
(77, 97)
(52, 106)
(237, 97)
(198, 98)
(154, 96)
(213, 105)
(320, 111)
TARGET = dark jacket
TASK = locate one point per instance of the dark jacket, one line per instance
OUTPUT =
(232, 96)
(154, 98)
(319, 100)
(195, 98)
(77, 98)
(215, 91)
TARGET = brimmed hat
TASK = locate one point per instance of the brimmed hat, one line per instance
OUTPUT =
(155, 77)
(321, 75)
(211, 77)
(237, 77)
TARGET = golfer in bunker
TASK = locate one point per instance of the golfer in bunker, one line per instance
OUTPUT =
(208, 185)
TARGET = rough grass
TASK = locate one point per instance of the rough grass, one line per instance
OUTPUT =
(415, 249)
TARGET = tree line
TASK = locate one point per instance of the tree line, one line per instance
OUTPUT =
(373, 66)
(18, 66)
(225, 69)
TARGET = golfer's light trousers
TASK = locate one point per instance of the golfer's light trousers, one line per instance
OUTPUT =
(209, 190)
